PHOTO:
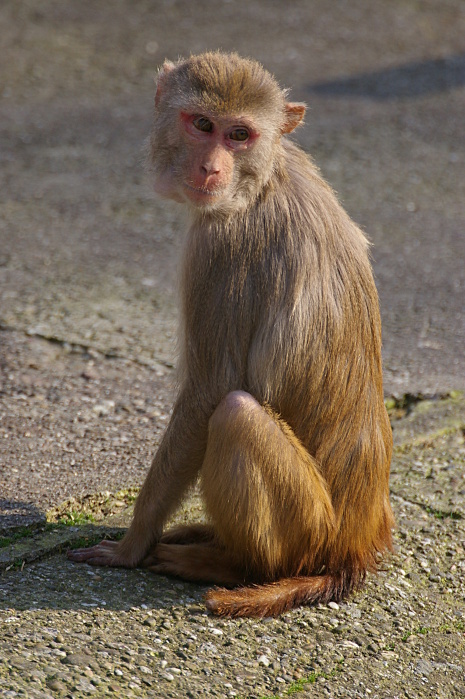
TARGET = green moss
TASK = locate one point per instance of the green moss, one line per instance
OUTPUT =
(300, 685)
(443, 514)
(17, 535)
(74, 518)
(390, 403)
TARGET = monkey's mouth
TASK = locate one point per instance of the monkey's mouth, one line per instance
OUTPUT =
(200, 194)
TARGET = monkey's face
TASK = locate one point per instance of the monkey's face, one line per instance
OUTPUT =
(214, 162)
(215, 148)
(217, 129)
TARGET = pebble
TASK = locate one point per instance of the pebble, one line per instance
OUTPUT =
(424, 667)
(104, 408)
(150, 622)
(59, 653)
(167, 676)
(263, 660)
(56, 685)
(77, 659)
(350, 644)
(85, 686)
(145, 670)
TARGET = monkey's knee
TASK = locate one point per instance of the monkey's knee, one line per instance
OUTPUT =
(233, 407)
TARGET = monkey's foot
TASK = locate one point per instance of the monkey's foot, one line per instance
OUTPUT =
(103, 554)
(196, 562)
(188, 534)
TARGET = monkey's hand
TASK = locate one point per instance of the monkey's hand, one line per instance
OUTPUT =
(106, 553)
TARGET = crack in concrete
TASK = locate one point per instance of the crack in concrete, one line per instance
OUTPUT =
(81, 348)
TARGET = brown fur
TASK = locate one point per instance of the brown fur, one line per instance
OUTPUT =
(280, 410)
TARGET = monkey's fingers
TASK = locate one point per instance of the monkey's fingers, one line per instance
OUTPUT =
(102, 554)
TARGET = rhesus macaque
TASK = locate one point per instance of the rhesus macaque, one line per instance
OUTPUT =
(280, 410)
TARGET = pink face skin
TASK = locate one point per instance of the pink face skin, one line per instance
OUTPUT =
(213, 143)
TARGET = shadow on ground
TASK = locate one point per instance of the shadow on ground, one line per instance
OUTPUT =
(408, 81)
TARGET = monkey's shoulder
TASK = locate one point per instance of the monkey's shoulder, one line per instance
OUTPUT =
(312, 205)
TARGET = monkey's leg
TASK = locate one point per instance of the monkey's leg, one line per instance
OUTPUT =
(264, 493)
(266, 498)
(188, 534)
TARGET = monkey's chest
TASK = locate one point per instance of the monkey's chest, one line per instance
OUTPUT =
(220, 313)
(238, 328)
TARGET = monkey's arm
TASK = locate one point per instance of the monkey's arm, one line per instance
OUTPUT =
(174, 468)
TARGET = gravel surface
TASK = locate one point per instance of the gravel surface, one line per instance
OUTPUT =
(88, 277)
(74, 422)
(71, 630)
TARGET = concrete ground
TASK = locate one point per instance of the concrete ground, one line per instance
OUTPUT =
(88, 273)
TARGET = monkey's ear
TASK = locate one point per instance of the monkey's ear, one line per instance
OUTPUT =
(293, 115)
(166, 68)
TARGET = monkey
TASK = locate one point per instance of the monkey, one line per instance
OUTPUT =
(280, 412)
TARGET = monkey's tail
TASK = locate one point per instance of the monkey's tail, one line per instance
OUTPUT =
(275, 598)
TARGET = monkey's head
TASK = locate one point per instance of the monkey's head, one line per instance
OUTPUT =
(217, 130)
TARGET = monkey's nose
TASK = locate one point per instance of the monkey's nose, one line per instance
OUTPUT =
(210, 169)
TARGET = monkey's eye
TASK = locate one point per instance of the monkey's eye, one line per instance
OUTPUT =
(201, 123)
(239, 134)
